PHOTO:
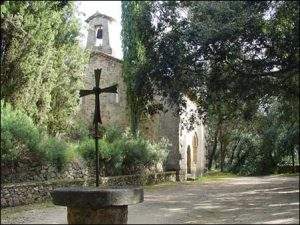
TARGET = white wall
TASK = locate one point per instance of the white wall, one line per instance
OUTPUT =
(186, 139)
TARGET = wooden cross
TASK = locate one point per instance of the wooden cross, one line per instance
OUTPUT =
(97, 117)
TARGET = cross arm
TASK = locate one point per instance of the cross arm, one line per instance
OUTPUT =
(111, 89)
(86, 92)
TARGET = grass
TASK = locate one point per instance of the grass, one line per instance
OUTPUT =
(288, 174)
(215, 176)
(72, 153)
(151, 187)
(209, 176)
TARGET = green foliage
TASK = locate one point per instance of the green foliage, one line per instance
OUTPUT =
(41, 61)
(78, 131)
(261, 145)
(137, 39)
(86, 149)
(234, 59)
(112, 133)
(21, 139)
(18, 134)
(215, 176)
(123, 153)
(56, 151)
(236, 52)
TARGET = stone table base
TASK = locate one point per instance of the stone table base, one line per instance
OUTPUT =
(107, 215)
(90, 205)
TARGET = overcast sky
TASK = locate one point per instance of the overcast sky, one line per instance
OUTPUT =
(110, 8)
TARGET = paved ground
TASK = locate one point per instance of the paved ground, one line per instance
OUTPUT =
(256, 200)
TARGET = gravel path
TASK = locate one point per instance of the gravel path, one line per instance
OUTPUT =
(256, 200)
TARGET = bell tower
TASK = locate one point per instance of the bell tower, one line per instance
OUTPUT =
(98, 33)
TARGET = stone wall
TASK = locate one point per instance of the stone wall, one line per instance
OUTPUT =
(30, 192)
(112, 106)
(139, 179)
(192, 142)
(28, 171)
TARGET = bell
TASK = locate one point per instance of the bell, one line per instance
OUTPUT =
(99, 33)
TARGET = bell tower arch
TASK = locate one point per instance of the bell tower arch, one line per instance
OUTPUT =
(98, 33)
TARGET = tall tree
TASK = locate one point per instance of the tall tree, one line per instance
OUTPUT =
(41, 61)
(239, 50)
(231, 58)
(137, 39)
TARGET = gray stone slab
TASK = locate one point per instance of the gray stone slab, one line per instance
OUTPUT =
(93, 197)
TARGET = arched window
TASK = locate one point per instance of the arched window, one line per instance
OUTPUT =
(195, 147)
(99, 36)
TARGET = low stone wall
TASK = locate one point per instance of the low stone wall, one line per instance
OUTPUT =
(31, 192)
(138, 179)
(26, 193)
(31, 171)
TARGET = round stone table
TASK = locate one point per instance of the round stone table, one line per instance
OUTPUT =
(92, 205)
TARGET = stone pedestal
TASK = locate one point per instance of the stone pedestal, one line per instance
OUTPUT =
(91, 205)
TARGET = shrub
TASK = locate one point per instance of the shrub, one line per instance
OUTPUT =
(71, 152)
(112, 133)
(86, 149)
(121, 153)
(19, 135)
(141, 154)
(21, 139)
(56, 151)
(78, 131)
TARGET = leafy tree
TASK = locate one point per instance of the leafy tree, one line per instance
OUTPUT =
(234, 59)
(41, 61)
(238, 50)
(137, 41)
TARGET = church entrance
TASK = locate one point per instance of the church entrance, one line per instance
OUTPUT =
(188, 160)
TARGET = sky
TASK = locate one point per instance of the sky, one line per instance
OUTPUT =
(110, 8)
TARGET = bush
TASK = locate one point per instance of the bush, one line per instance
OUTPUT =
(21, 139)
(86, 149)
(56, 151)
(18, 135)
(78, 131)
(112, 133)
(121, 153)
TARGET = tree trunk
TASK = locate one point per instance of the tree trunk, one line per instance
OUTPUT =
(293, 160)
(233, 151)
(223, 153)
(221, 156)
(135, 116)
(212, 155)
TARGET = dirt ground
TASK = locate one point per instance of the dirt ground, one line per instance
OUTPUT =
(255, 200)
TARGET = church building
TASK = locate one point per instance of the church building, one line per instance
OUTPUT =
(187, 153)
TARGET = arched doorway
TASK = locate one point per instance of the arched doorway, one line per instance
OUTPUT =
(188, 160)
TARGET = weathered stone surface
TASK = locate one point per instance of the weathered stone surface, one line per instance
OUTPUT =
(36, 173)
(93, 197)
(108, 215)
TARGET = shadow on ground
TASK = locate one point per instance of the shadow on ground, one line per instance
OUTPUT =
(255, 200)
(270, 199)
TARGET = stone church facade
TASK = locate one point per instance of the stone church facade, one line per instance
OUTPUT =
(187, 153)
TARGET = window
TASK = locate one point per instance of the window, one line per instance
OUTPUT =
(99, 36)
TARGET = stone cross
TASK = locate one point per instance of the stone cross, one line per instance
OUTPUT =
(97, 116)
